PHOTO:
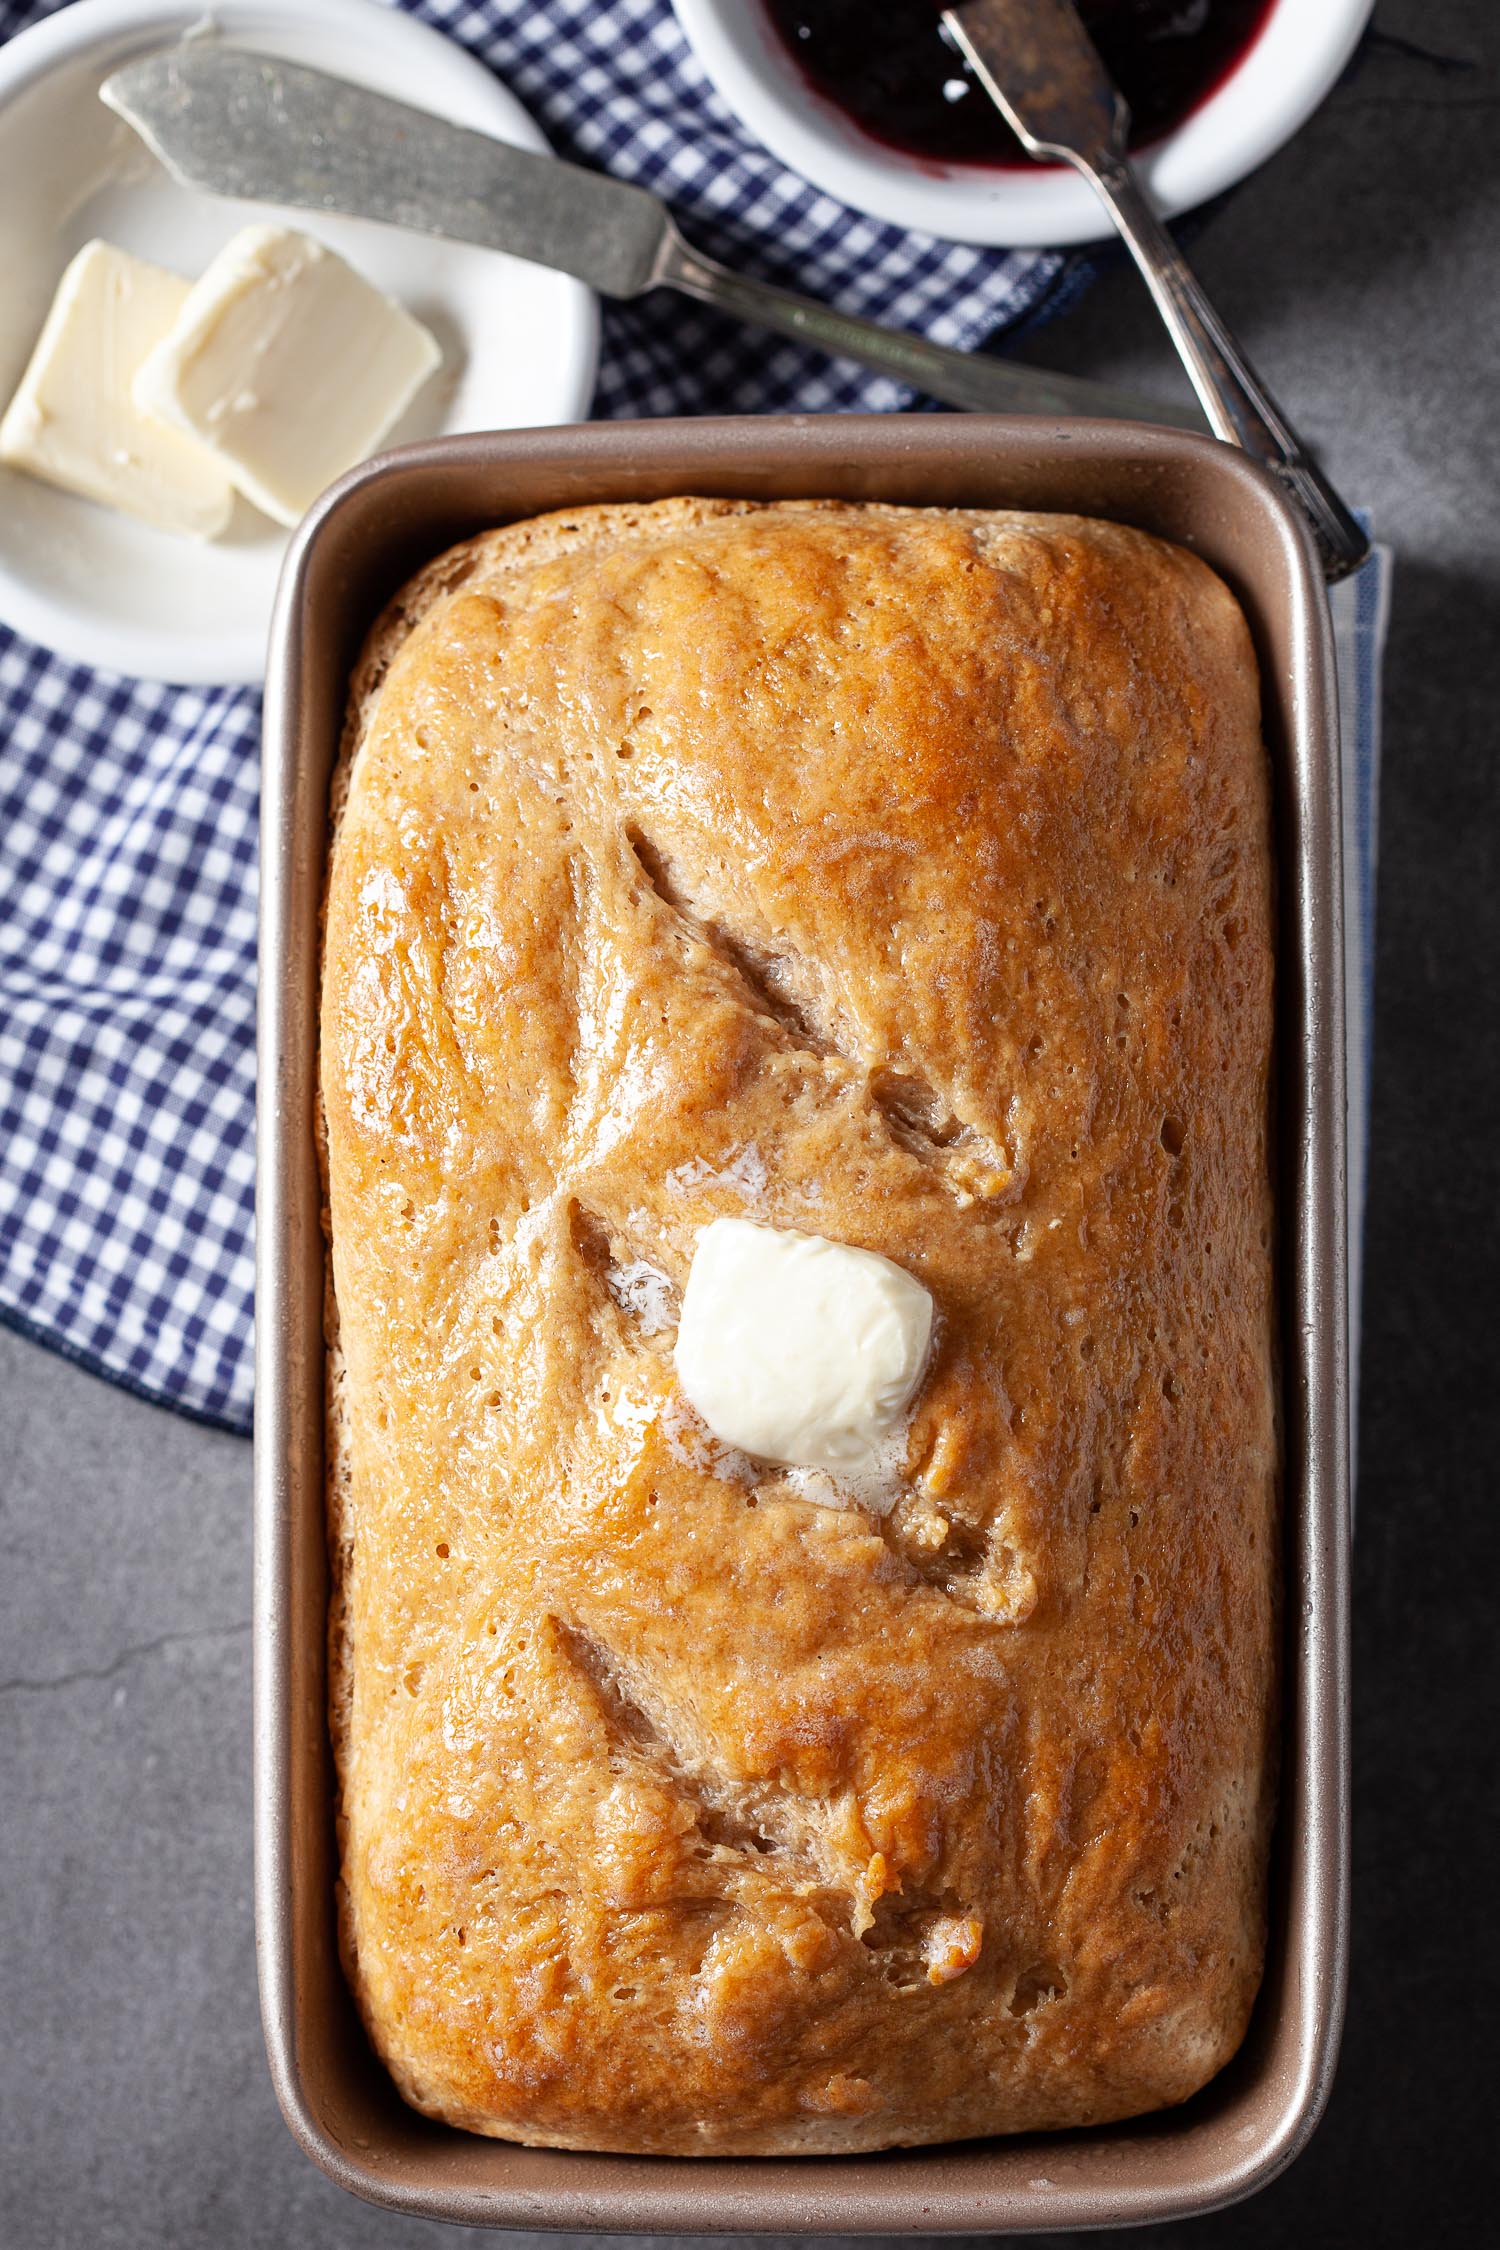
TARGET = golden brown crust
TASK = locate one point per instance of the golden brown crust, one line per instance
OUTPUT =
(903, 876)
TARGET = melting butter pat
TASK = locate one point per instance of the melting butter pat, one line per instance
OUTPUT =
(797, 1349)
(74, 422)
(289, 364)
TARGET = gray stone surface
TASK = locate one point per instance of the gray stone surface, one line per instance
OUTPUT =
(134, 2105)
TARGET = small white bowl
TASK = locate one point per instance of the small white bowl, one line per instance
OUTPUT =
(1280, 82)
(520, 344)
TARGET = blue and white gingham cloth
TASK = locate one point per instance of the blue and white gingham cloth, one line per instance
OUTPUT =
(128, 809)
(1361, 610)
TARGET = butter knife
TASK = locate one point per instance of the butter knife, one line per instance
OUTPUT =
(1039, 66)
(248, 125)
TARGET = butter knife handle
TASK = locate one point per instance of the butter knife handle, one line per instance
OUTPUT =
(985, 385)
(1239, 407)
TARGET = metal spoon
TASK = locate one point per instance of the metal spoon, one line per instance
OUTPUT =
(1038, 64)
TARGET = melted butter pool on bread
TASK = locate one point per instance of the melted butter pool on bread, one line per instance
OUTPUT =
(901, 876)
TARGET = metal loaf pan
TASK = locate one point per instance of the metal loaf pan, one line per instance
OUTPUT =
(367, 535)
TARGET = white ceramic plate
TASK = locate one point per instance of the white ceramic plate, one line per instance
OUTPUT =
(520, 344)
(1274, 89)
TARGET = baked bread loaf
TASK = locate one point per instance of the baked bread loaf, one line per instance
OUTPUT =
(900, 876)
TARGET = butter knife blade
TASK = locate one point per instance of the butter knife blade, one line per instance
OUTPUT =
(247, 125)
(239, 124)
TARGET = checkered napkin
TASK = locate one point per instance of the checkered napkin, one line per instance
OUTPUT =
(128, 809)
(1361, 609)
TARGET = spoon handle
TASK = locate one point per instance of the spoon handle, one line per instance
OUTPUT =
(1239, 407)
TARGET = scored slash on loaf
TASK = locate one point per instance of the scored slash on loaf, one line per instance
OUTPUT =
(899, 877)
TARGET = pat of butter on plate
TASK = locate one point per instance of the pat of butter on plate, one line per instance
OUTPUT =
(799, 1350)
(289, 364)
(74, 422)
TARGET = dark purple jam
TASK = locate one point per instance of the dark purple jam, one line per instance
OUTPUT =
(886, 64)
